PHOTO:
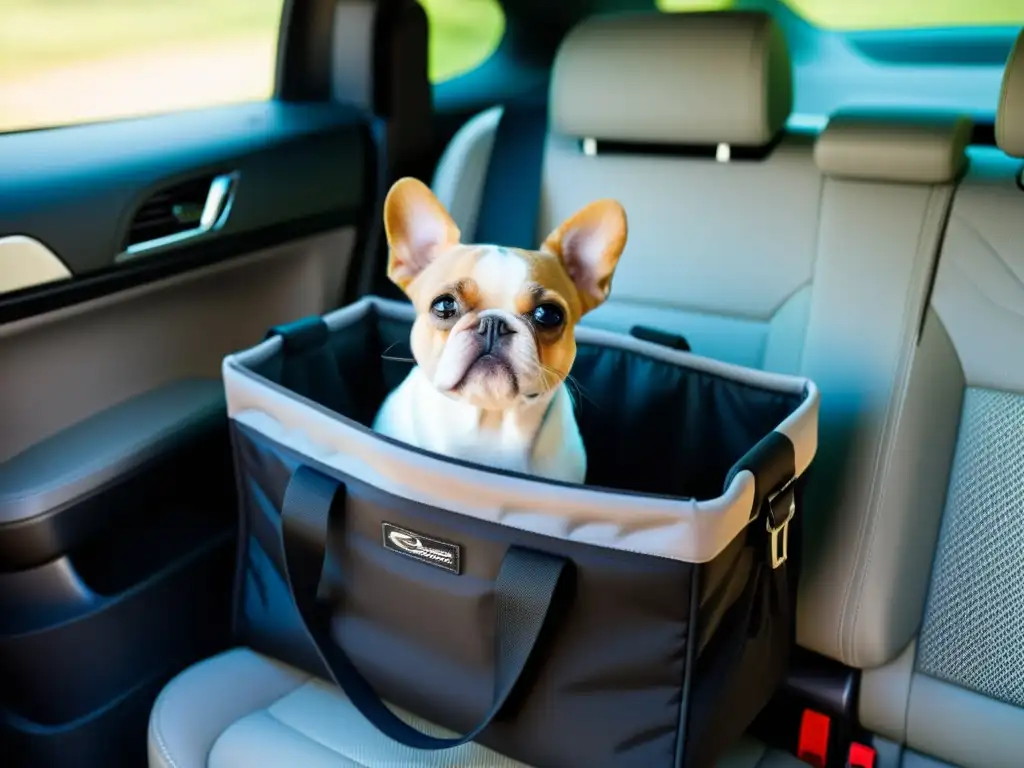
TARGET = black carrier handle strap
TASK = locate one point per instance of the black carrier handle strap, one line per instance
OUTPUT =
(665, 339)
(302, 335)
(524, 592)
(309, 365)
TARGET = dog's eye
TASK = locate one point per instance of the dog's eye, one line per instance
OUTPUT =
(548, 316)
(444, 307)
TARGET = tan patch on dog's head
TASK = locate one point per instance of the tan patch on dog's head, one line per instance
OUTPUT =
(496, 325)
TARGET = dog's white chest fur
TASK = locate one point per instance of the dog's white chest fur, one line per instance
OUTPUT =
(541, 438)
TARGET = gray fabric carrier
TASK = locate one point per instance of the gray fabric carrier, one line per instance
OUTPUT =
(643, 619)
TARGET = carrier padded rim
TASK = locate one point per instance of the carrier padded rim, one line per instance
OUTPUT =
(694, 531)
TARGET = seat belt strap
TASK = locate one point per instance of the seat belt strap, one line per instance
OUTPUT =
(510, 203)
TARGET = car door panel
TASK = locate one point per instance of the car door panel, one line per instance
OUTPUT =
(115, 561)
(117, 501)
(302, 169)
(47, 491)
(63, 366)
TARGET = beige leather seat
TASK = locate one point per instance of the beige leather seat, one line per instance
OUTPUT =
(815, 257)
(954, 695)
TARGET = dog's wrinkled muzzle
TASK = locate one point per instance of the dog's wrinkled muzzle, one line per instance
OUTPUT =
(492, 329)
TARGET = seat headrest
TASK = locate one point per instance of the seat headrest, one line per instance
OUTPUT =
(688, 78)
(920, 149)
(1010, 111)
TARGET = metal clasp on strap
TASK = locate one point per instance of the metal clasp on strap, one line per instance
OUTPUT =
(779, 532)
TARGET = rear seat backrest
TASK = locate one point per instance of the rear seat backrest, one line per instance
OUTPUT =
(770, 262)
(706, 255)
(957, 694)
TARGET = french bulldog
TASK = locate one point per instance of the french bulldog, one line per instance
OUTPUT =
(493, 341)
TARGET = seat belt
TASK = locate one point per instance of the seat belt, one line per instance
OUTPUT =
(379, 63)
(509, 209)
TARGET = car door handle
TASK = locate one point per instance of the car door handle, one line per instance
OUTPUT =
(215, 212)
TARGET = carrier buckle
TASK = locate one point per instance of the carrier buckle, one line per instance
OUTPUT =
(779, 534)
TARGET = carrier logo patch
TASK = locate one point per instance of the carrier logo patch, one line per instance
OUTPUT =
(440, 554)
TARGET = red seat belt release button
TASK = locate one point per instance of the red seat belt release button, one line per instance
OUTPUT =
(861, 756)
(812, 746)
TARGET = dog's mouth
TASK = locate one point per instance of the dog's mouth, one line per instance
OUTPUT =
(489, 364)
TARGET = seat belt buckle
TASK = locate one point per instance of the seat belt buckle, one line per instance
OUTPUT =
(812, 743)
(778, 534)
(861, 756)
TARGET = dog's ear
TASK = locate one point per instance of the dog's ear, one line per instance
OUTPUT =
(589, 244)
(417, 226)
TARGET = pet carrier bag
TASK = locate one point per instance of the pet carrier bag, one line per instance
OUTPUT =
(641, 620)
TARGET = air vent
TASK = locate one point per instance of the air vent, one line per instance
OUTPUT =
(180, 212)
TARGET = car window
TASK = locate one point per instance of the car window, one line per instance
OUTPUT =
(934, 55)
(463, 33)
(64, 62)
(897, 14)
(75, 61)
(878, 14)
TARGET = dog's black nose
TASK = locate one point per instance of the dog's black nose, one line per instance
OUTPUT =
(492, 328)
